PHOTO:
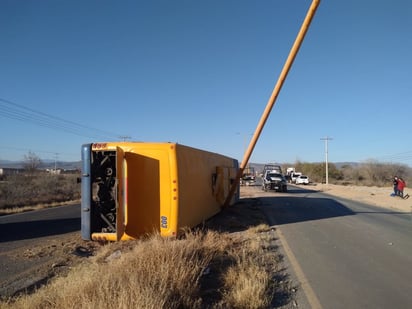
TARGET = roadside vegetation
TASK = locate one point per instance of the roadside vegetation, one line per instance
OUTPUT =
(24, 192)
(371, 173)
(32, 187)
(203, 269)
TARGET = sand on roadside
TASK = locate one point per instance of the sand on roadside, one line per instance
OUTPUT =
(377, 196)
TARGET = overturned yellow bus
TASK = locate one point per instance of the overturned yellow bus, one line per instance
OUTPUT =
(133, 188)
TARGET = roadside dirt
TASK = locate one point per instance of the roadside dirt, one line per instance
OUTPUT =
(34, 262)
(377, 196)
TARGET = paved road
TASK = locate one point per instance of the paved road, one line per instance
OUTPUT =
(346, 254)
(36, 224)
(31, 243)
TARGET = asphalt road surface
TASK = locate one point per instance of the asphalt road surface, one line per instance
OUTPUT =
(36, 224)
(345, 254)
(35, 246)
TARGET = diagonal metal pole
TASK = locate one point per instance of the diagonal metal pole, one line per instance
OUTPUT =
(286, 67)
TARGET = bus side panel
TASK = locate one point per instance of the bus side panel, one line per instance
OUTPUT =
(86, 190)
(201, 194)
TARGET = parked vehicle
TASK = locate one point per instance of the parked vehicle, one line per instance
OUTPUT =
(272, 167)
(272, 180)
(302, 180)
(289, 172)
(294, 176)
(248, 176)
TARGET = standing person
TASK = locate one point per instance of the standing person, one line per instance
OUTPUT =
(395, 185)
(401, 186)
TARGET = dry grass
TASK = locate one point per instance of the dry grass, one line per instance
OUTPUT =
(202, 270)
(248, 282)
(28, 192)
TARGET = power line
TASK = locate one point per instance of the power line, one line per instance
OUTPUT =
(19, 112)
(53, 153)
(22, 113)
(393, 158)
(403, 156)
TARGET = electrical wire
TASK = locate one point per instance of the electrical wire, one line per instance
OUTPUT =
(399, 157)
(19, 112)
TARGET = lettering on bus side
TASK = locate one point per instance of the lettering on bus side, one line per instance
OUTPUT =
(163, 222)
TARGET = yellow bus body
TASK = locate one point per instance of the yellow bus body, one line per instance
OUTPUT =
(130, 189)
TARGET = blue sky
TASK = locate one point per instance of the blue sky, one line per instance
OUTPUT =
(200, 73)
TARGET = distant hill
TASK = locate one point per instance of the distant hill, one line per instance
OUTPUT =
(11, 164)
(342, 164)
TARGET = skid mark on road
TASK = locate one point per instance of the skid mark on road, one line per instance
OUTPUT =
(307, 289)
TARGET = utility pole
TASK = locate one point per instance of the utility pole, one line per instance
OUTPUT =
(56, 155)
(326, 139)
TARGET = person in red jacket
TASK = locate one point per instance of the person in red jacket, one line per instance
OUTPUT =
(401, 186)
